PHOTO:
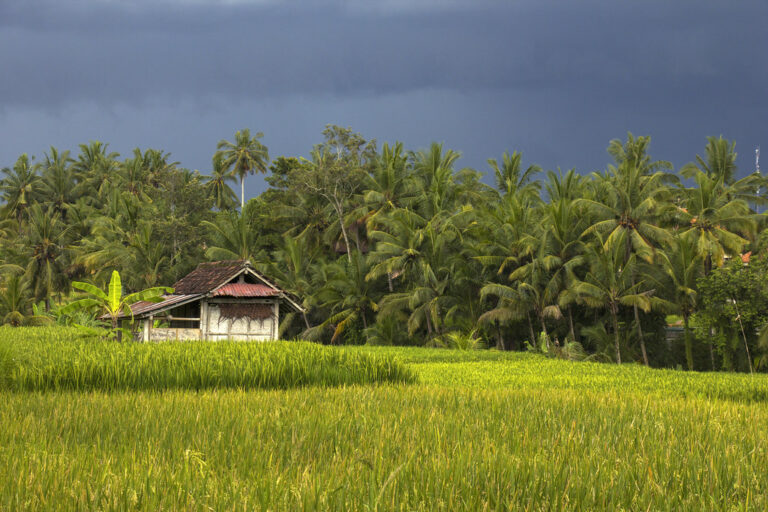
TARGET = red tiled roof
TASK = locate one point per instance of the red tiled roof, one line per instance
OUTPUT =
(746, 257)
(245, 290)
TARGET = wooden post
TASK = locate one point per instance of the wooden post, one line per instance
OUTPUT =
(275, 319)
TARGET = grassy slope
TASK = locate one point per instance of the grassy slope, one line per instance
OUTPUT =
(528, 436)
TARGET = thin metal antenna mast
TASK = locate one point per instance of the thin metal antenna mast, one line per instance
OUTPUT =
(757, 170)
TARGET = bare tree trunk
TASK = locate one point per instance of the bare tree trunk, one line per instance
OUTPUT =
(306, 321)
(499, 338)
(389, 282)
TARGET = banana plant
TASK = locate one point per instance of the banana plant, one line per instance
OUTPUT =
(113, 303)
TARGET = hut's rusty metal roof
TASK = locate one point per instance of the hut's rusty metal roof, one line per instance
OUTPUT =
(245, 290)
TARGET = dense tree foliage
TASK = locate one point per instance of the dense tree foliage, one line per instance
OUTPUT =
(390, 246)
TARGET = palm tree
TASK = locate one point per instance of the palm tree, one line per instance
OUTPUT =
(715, 222)
(15, 301)
(610, 283)
(95, 169)
(18, 187)
(291, 267)
(46, 242)
(246, 155)
(388, 185)
(676, 279)
(720, 165)
(511, 179)
(441, 188)
(427, 254)
(629, 202)
(58, 181)
(348, 295)
(223, 196)
(232, 238)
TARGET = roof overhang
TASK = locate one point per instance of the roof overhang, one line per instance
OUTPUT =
(147, 309)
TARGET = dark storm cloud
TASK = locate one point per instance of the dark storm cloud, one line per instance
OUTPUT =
(54, 53)
(555, 79)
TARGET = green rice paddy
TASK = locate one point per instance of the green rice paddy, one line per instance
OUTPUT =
(474, 431)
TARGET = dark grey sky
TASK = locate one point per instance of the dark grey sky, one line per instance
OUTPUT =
(554, 79)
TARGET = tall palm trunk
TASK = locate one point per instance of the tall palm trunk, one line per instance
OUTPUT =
(688, 342)
(530, 329)
(570, 323)
(242, 192)
(614, 316)
(640, 333)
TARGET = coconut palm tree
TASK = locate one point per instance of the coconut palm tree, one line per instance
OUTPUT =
(46, 243)
(610, 284)
(348, 295)
(223, 196)
(58, 181)
(630, 200)
(15, 301)
(675, 281)
(232, 238)
(512, 179)
(388, 185)
(95, 170)
(19, 186)
(715, 222)
(291, 267)
(246, 155)
(719, 164)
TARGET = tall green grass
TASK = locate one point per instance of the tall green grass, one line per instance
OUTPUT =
(380, 448)
(48, 363)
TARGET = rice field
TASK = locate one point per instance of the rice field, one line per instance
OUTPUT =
(41, 361)
(475, 431)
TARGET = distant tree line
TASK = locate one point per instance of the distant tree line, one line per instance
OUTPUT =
(389, 246)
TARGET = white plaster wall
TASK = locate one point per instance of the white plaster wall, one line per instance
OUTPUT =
(169, 334)
(218, 328)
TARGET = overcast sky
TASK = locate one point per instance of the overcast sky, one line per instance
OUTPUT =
(554, 79)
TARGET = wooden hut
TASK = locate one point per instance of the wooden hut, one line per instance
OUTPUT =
(216, 301)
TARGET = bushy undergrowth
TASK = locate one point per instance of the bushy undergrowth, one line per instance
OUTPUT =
(45, 359)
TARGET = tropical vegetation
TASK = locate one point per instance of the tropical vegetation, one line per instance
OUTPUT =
(389, 246)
